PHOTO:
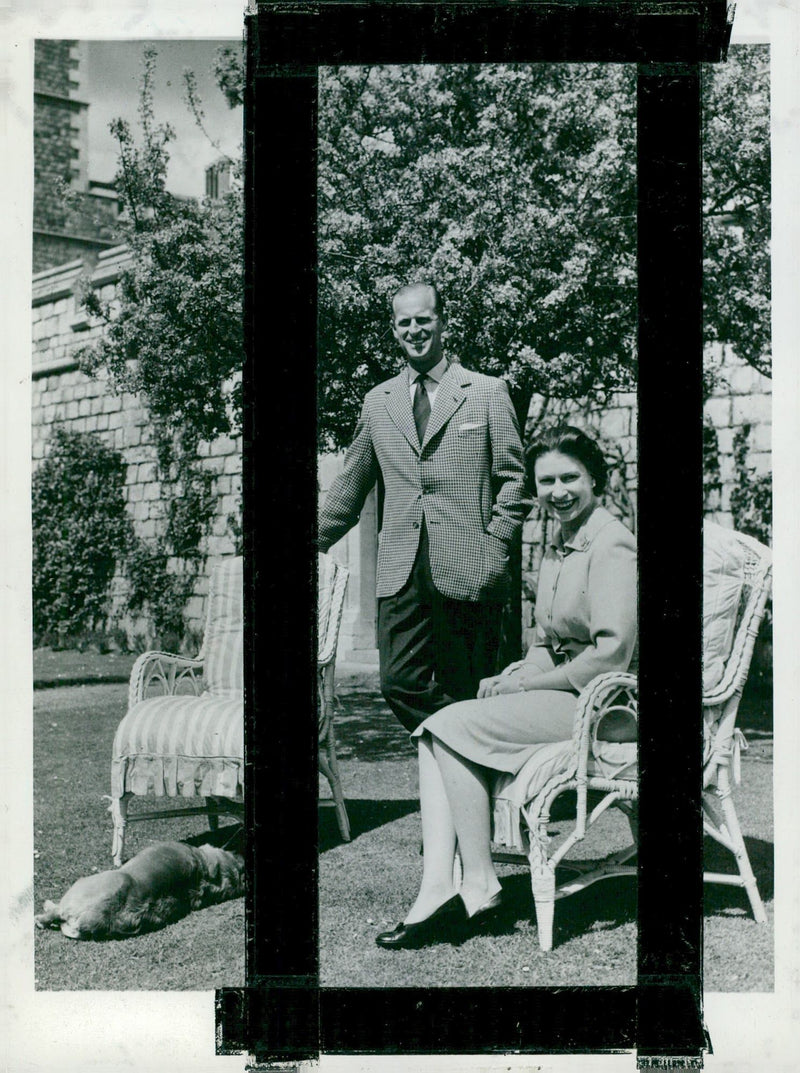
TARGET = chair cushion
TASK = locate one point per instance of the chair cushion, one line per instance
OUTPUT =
(723, 578)
(223, 644)
(180, 746)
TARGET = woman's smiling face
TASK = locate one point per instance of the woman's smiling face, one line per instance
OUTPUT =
(565, 488)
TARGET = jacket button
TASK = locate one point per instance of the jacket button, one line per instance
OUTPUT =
(416, 525)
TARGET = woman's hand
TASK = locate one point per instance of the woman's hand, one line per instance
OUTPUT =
(500, 683)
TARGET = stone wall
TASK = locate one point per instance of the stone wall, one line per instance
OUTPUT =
(742, 397)
(63, 395)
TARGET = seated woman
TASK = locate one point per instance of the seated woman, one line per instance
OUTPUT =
(585, 625)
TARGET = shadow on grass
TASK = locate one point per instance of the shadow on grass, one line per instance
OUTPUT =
(229, 836)
(364, 816)
(721, 899)
(367, 731)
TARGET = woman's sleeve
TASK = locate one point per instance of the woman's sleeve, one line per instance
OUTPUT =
(612, 596)
(540, 653)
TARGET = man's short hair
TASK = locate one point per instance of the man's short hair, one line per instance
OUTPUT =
(409, 287)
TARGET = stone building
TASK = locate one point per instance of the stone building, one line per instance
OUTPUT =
(73, 216)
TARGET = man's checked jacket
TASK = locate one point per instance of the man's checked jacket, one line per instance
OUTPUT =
(466, 479)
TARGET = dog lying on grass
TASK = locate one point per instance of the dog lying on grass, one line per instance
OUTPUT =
(156, 887)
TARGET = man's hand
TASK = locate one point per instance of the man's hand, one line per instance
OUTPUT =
(500, 683)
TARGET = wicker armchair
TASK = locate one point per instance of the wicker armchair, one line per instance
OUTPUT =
(183, 734)
(723, 741)
(522, 802)
(608, 705)
(332, 584)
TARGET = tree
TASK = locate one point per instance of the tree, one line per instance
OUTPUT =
(736, 205)
(174, 336)
(513, 188)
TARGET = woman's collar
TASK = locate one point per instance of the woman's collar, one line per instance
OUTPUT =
(585, 533)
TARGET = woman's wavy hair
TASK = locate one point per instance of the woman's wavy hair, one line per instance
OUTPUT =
(568, 440)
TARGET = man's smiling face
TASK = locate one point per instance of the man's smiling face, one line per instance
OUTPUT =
(417, 327)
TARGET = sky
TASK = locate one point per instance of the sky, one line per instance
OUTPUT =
(110, 83)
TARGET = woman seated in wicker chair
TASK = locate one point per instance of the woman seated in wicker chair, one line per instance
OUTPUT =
(585, 625)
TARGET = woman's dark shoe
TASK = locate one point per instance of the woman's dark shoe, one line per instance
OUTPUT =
(486, 912)
(443, 923)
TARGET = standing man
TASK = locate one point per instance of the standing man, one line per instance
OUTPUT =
(446, 444)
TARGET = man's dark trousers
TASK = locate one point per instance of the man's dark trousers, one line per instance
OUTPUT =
(433, 650)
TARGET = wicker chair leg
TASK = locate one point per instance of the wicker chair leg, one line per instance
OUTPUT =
(119, 814)
(331, 772)
(740, 850)
(543, 885)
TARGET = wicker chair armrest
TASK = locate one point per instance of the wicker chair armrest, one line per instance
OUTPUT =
(597, 701)
(167, 670)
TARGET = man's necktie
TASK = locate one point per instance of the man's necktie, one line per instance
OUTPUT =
(422, 406)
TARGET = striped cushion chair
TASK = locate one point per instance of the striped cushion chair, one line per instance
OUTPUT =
(183, 735)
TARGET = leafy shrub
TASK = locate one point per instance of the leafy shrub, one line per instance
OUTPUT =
(81, 533)
(751, 496)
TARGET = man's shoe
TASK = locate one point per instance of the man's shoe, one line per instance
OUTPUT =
(443, 923)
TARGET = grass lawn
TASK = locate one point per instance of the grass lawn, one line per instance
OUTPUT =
(367, 885)
(73, 731)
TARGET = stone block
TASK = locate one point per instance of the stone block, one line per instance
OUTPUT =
(133, 436)
(233, 464)
(761, 461)
(219, 546)
(615, 424)
(152, 491)
(761, 437)
(726, 469)
(744, 380)
(223, 445)
(84, 407)
(195, 607)
(725, 441)
(135, 493)
(719, 411)
(751, 409)
(71, 410)
(147, 529)
(111, 404)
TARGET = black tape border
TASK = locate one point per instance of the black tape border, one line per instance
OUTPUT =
(283, 1015)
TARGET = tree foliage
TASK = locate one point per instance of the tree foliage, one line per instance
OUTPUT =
(174, 334)
(512, 188)
(736, 204)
